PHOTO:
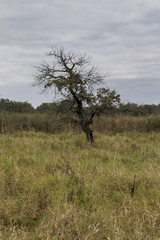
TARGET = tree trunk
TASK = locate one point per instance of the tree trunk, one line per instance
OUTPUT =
(89, 136)
(88, 131)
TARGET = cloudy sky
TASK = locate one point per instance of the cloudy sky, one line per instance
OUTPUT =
(121, 36)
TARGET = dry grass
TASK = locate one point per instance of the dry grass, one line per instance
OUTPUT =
(10, 123)
(60, 187)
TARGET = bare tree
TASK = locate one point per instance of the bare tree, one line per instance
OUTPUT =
(77, 81)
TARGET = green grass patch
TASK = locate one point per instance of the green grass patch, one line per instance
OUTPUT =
(62, 187)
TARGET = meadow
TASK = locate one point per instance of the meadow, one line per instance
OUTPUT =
(60, 187)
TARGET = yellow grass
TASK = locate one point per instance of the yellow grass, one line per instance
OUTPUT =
(60, 187)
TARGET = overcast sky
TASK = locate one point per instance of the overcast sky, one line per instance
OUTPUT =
(121, 36)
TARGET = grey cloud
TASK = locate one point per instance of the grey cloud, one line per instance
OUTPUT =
(122, 36)
(152, 17)
(140, 91)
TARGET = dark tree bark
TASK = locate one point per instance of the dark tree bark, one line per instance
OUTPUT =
(85, 125)
(89, 133)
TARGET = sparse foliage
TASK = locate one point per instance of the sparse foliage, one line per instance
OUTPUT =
(77, 82)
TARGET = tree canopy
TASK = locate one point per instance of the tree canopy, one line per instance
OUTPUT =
(77, 82)
(17, 107)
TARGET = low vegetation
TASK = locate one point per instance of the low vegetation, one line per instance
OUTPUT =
(58, 123)
(60, 187)
(57, 186)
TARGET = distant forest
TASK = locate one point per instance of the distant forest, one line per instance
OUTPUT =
(62, 107)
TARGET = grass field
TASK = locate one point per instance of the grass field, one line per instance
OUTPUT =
(60, 187)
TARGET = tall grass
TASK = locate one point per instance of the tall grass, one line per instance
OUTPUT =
(55, 123)
(60, 187)
(13, 122)
(128, 123)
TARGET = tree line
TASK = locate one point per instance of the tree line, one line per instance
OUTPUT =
(62, 107)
